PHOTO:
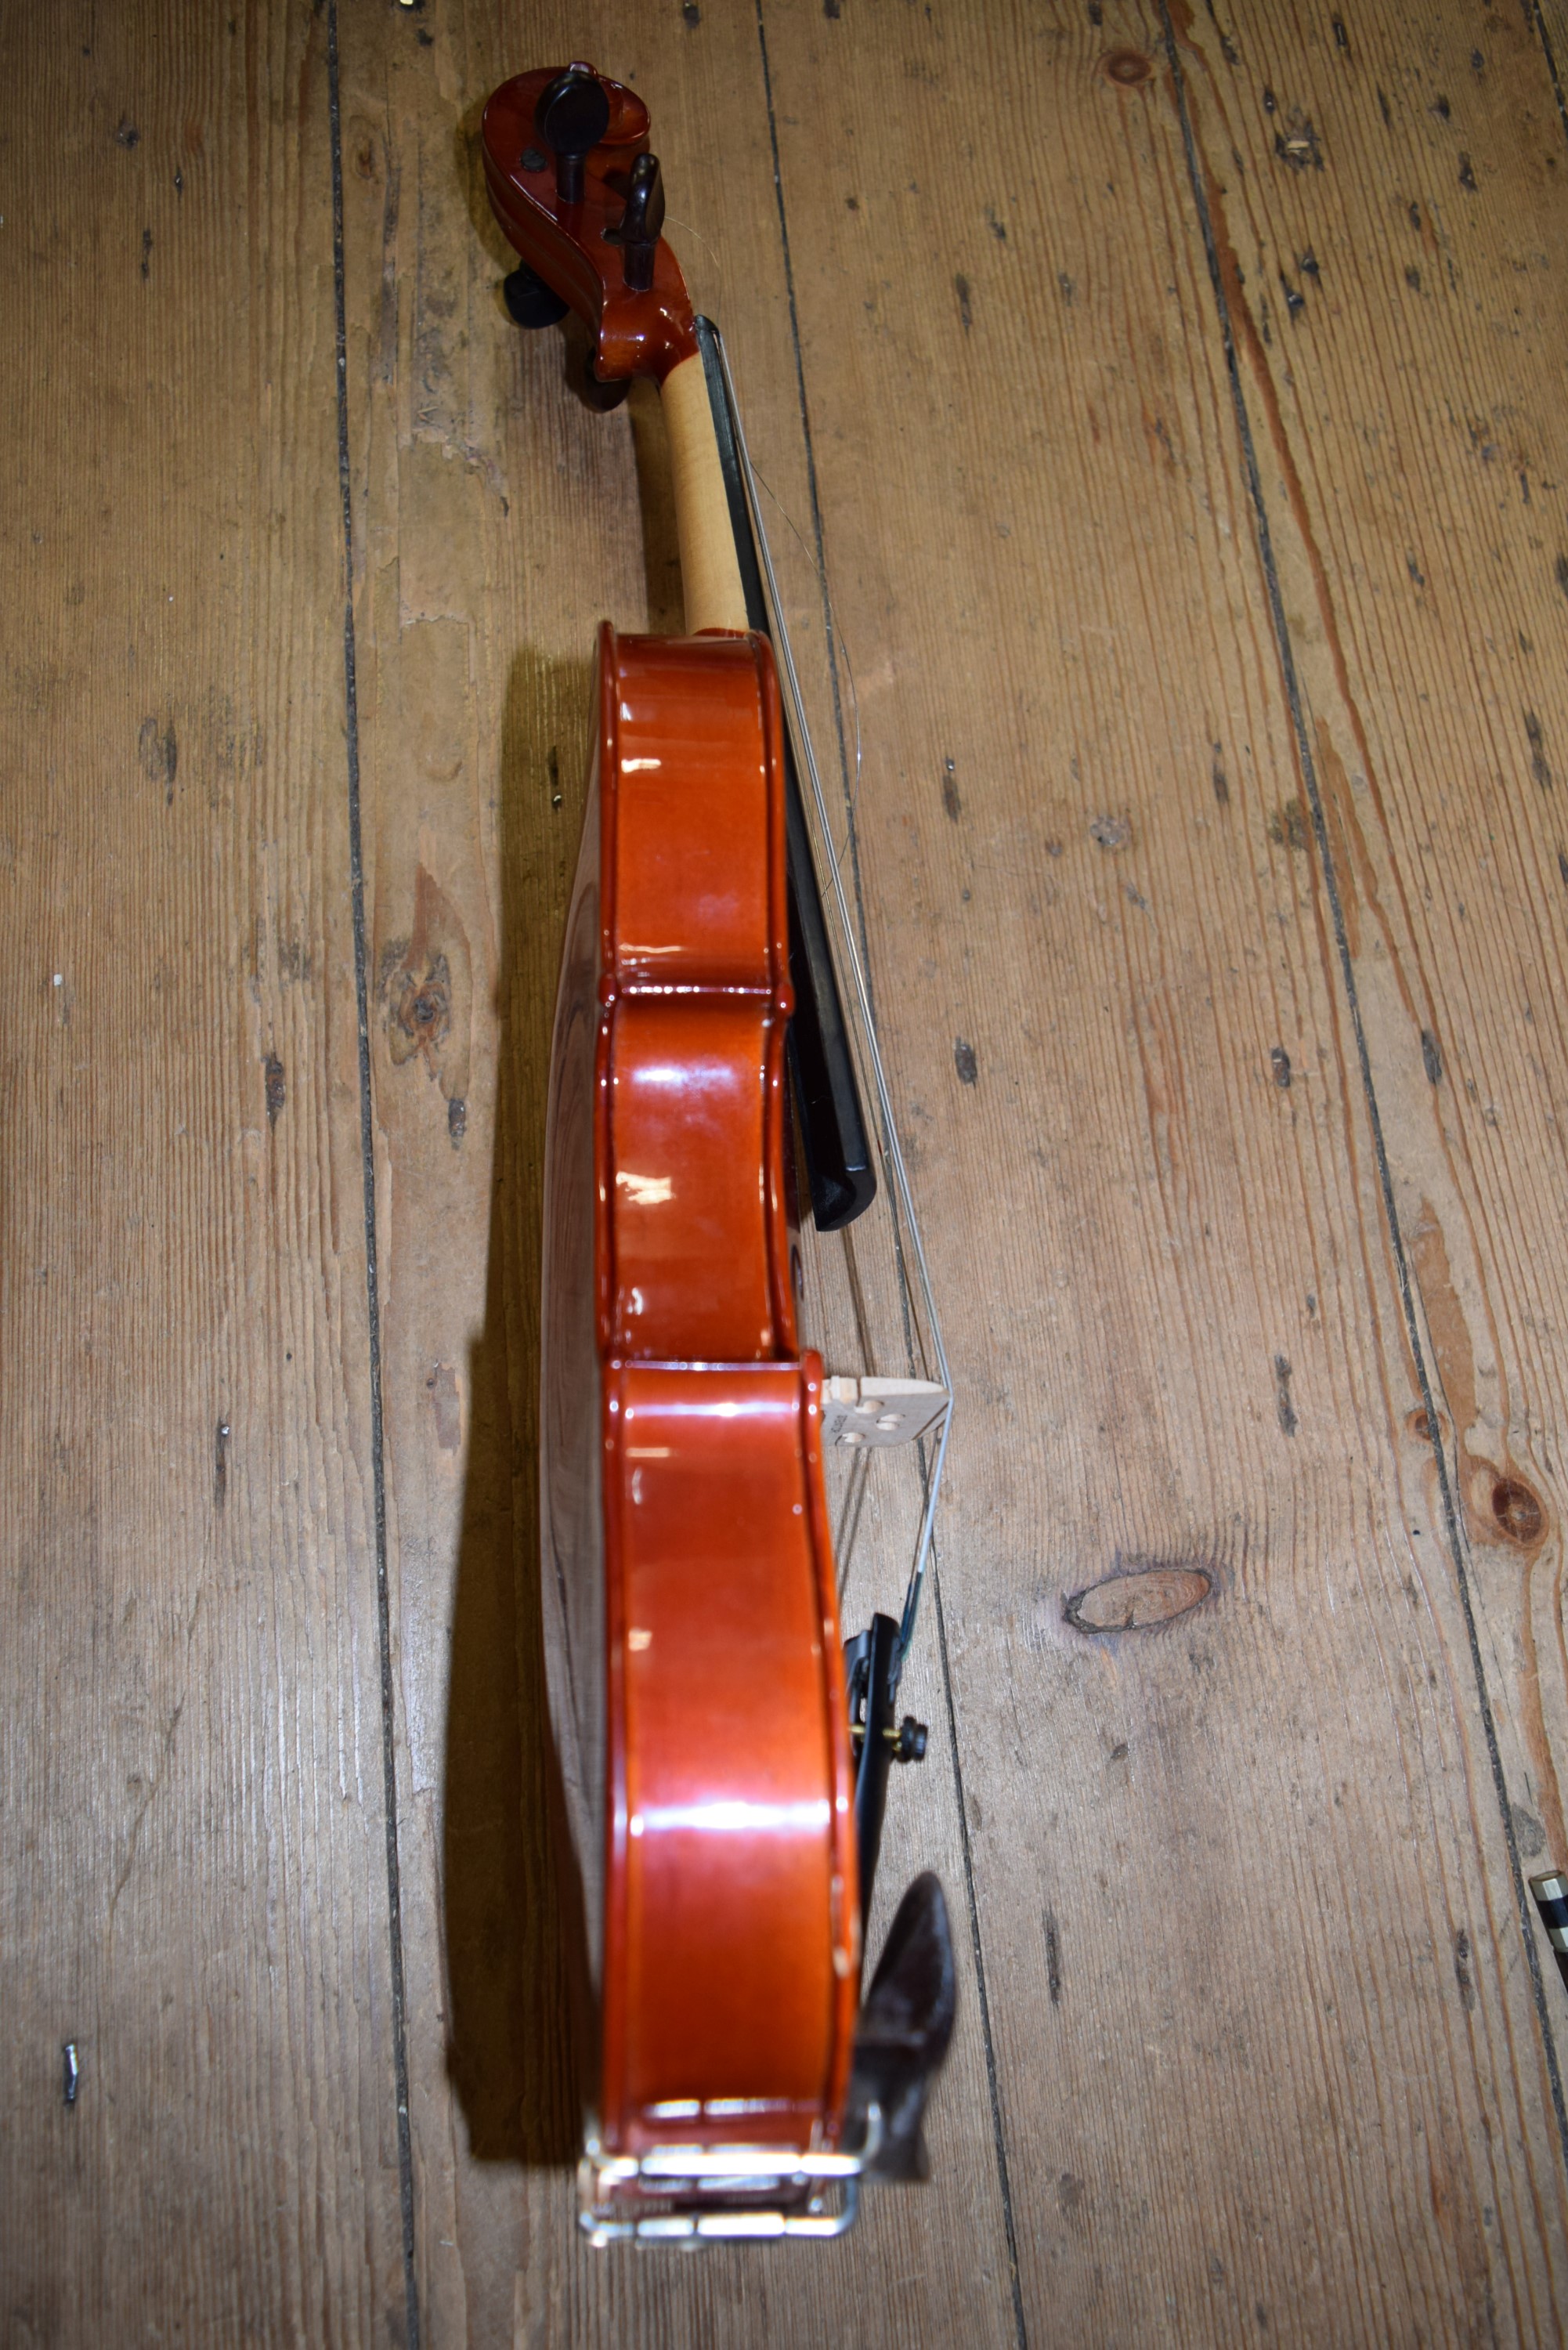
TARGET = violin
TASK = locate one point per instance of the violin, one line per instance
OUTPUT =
(724, 1775)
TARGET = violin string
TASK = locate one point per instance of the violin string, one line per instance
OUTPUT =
(836, 653)
(854, 1499)
(687, 230)
(892, 1150)
(857, 1300)
(716, 258)
(820, 575)
(850, 1518)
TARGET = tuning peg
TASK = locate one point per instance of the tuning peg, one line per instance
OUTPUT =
(531, 302)
(637, 234)
(571, 117)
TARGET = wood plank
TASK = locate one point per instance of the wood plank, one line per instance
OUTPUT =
(501, 521)
(196, 1888)
(1406, 395)
(1268, 2046)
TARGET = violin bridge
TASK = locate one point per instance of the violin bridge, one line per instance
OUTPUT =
(876, 1411)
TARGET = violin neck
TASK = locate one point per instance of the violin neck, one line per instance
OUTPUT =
(710, 573)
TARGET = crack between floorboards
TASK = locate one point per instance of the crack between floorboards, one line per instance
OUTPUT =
(368, 1161)
(971, 1900)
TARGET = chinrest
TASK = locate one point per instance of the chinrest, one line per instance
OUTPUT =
(906, 2024)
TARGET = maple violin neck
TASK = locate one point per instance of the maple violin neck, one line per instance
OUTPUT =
(710, 570)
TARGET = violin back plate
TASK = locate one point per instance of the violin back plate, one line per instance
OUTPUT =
(726, 1910)
(695, 1672)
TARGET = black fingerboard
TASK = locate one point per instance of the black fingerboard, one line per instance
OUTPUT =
(821, 1068)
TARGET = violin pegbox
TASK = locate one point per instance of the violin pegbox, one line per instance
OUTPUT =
(581, 199)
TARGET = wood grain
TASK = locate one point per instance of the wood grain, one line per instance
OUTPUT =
(1173, 404)
(502, 520)
(1405, 388)
(1249, 1869)
(195, 1887)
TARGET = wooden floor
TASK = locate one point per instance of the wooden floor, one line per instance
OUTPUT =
(1173, 398)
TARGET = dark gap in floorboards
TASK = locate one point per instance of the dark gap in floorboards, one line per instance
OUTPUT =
(1538, 19)
(367, 1159)
(850, 799)
(991, 2074)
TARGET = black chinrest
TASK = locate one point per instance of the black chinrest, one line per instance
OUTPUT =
(906, 2024)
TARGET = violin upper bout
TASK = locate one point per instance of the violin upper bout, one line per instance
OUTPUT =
(697, 1000)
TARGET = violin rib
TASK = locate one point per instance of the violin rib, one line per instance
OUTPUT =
(695, 1678)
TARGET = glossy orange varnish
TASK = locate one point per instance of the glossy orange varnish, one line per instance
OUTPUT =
(634, 333)
(731, 1955)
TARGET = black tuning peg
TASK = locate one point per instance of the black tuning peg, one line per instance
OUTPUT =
(637, 234)
(571, 117)
(531, 302)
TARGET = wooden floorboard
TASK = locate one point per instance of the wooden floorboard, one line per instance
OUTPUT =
(195, 1886)
(1189, 1342)
(502, 520)
(1404, 392)
(1171, 402)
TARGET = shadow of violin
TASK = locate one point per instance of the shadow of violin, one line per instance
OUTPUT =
(518, 2030)
(520, 2033)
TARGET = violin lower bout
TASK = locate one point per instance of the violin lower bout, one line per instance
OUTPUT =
(730, 1927)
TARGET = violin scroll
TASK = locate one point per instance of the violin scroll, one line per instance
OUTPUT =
(573, 185)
